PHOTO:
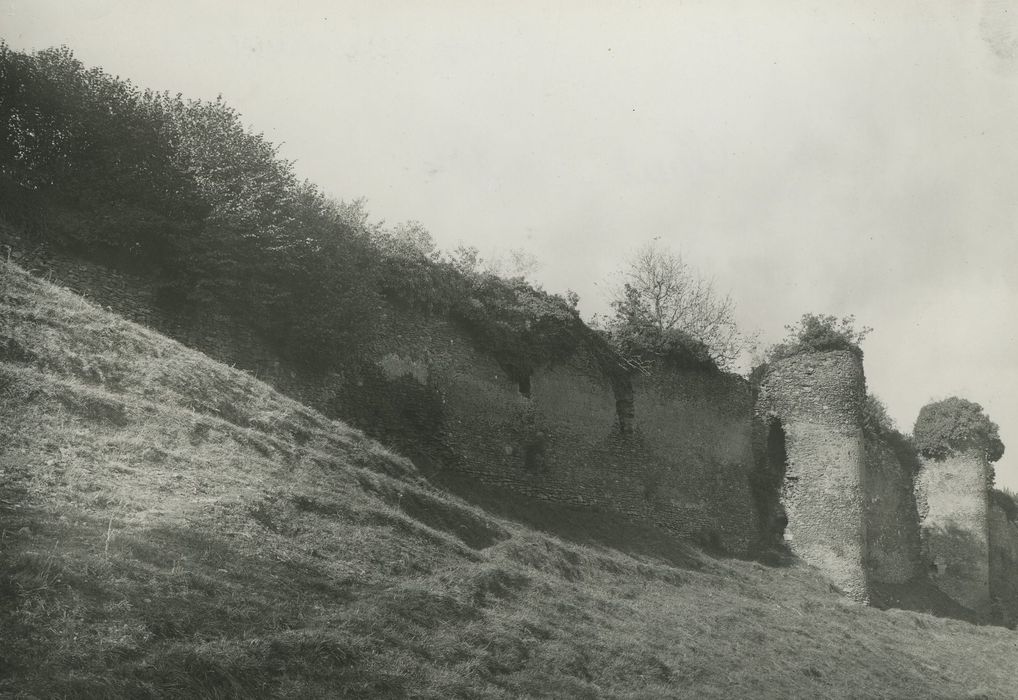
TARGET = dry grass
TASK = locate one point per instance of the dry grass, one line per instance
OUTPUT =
(173, 528)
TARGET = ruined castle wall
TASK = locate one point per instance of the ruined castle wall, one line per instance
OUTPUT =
(683, 467)
(892, 527)
(210, 330)
(697, 425)
(817, 398)
(953, 506)
(431, 394)
(1003, 567)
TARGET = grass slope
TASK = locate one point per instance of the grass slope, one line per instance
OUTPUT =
(171, 527)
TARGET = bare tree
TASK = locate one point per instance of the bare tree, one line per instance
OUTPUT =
(659, 289)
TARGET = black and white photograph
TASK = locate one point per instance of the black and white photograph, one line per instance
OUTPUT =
(510, 349)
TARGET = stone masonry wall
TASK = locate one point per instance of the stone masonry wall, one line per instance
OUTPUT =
(698, 426)
(684, 466)
(953, 505)
(817, 398)
(431, 394)
(1003, 568)
(892, 524)
(687, 464)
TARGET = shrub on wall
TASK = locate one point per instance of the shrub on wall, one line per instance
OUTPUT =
(520, 325)
(953, 425)
(1007, 501)
(875, 417)
(877, 422)
(820, 333)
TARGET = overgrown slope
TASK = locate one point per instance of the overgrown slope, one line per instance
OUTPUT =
(171, 527)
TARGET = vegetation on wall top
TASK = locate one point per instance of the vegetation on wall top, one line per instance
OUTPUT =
(820, 333)
(663, 310)
(181, 191)
(643, 342)
(955, 425)
(877, 422)
(522, 326)
(1007, 501)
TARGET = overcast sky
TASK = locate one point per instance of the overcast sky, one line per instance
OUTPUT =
(859, 159)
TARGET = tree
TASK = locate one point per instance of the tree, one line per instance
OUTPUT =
(516, 262)
(665, 302)
(82, 140)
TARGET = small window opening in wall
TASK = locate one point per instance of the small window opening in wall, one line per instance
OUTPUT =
(524, 384)
(777, 454)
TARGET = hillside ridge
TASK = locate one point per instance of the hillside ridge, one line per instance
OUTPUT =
(173, 527)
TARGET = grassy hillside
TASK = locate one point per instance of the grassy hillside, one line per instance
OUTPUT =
(171, 527)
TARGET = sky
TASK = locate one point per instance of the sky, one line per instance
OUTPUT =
(806, 157)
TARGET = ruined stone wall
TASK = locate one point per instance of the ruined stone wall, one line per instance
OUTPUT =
(210, 330)
(817, 398)
(684, 466)
(953, 505)
(892, 524)
(697, 425)
(688, 463)
(431, 394)
(1003, 568)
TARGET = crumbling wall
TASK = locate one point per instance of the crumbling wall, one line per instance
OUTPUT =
(892, 524)
(209, 329)
(697, 425)
(952, 500)
(682, 463)
(1003, 568)
(684, 459)
(817, 398)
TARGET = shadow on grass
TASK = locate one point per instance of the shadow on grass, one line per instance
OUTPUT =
(919, 595)
(574, 524)
(172, 612)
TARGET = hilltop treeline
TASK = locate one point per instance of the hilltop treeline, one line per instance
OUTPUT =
(181, 191)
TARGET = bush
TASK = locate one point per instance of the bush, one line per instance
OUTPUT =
(878, 423)
(875, 418)
(821, 333)
(954, 425)
(1007, 501)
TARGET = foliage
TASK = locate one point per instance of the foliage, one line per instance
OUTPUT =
(182, 190)
(89, 141)
(521, 326)
(954, 425)
(1007, 501)
(664, 308)
(875, 417)
(878, 423)
(642, 342)
(821, 333)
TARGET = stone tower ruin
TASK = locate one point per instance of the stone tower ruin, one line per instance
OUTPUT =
(813, 403)
(953, 505)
